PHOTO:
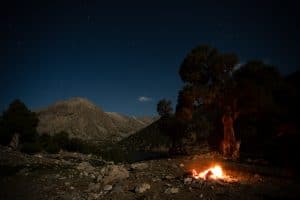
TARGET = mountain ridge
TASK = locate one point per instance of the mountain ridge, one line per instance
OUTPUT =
(83, 119)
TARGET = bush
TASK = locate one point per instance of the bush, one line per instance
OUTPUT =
(52, 147)
(44, 139)
(61, 139)
(31, 148)
(75, 144)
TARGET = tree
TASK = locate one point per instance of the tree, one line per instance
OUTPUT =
(164, 108)
(18, 120)
(213, 85)
(257, 87)
(206, 73)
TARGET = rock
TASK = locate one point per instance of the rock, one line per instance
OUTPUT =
(94, 187)
(118, 187)
(67, 183)
(181, 165)
(172, 190)
(156, 179)
(93, 176)
(72, 188)
(38, 155)
(201, 196)
(113, 173)
(169, 177)
(85, 173)
(168, 184)
(94, 196)
(99, 178)
(139, 166)
(85, 166)
(187, 180)
(23, 171)
(142, 188)
(257, 177)
(107, 187)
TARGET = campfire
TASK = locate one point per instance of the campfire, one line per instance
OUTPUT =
(213, 173)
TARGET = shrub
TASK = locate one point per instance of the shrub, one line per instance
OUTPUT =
(44, 139)
(75, 144)
(52, 147)
(31, 148)
(61, 139)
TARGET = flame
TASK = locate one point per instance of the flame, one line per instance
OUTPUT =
(215, 172)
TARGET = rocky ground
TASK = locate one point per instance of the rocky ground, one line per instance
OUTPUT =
(77, 176)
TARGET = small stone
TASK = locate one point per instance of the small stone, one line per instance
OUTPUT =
(99, 178)
(139, 166)
(187, 180)
(38, 155)
(67, 183)
(72, 188)
(94, 187)
(172, 190)
(258, 177)
(201, 196)
(181, 165)
(156, 179)
(142, 188)
(168, 177)
(107, 187)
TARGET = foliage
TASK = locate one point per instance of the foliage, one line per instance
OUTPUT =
(61, 139)
(75, 144)
(164, 108)
(256, 83)
(205, 71)
(18, 119)
(207, 74)
(256, 93)
(52, 147)
(31, 148)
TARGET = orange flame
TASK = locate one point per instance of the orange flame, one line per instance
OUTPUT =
(215, 172)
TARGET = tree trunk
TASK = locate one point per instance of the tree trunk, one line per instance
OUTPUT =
(230, 146)
(14, 143)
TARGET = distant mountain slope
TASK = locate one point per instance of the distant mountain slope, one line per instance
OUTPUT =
(149, 138)
(82, 119)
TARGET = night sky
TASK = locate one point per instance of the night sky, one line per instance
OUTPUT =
(124, 56)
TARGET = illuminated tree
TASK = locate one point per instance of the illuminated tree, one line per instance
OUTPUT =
(212, 83)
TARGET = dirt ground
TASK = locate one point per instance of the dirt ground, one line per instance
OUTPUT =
(58, 177)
